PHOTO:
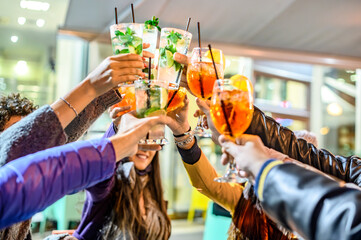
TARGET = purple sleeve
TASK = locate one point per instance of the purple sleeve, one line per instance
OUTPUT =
(31, 183)
(97, 206)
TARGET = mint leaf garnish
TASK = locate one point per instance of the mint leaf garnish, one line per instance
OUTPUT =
(174, 37)
(153, 22)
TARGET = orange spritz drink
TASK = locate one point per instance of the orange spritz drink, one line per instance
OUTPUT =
(176, 99)
(201, 74)
(128, 99)
(231, 112)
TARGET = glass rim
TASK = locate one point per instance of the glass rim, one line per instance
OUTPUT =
(181, 31)
(120, 24)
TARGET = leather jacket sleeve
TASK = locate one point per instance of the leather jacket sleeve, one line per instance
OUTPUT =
(311, 204)
(283, 140)
(31, 183)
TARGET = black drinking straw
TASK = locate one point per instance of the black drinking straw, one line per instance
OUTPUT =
(222, 103)
(132, 7)
(149, 78)
(116, 15)
(200, 59)
(180, 70)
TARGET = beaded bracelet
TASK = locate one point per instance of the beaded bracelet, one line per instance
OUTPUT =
(185, 141)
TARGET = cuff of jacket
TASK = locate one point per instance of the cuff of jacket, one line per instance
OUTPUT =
(192, 155)
(110, 98)
(261, 177)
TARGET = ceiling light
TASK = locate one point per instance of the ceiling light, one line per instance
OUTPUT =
(14, 39)
(40, 22)
(324, 130)
(21, 68)
(35, 5)
(334, 109)
(21, 20)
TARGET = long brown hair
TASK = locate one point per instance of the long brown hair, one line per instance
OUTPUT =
(251, 222)
(126, 218)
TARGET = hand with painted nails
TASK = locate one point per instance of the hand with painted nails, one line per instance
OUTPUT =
(248, 152)
(113, 71)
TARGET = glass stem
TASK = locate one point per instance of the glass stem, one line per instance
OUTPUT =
(232, 164)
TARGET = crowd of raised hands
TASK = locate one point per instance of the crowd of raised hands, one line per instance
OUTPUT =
(41, 165)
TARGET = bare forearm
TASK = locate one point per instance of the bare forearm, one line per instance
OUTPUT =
(78, 98)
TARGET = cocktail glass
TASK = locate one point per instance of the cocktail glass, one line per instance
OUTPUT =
(176, 99)
(150, 35)
(128, 99)
(201, 77)
(151, 100)
(127, 38)
(231, 112)
(172, 40)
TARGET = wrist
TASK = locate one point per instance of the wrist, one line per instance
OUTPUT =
(88, 89)
(185, 142)
(181, 129)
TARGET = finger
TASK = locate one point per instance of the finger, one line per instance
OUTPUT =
(145, 46)
(147, 54)
(151, 147)
(120, 79)
(203, 106)
(244, 138)
(126, 64)
(224, 159)
(114, 112)
(180, 58)
(231, 148)
(141, 130)
(126, 57)
(127, 71)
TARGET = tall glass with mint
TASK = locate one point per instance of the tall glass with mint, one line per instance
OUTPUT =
(172, 40)
(151, 100)
(127, 38)
(150, 36)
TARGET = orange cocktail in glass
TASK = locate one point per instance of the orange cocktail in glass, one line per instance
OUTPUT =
(231, 112)
(176, 99)
(128, 99)
(201, 74)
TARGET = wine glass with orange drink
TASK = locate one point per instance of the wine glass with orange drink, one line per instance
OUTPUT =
(231, 112)
(201, 77)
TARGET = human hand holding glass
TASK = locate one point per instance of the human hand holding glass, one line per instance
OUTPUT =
(231, 111)
(201, 76)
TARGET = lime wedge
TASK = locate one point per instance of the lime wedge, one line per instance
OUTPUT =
(169, 57)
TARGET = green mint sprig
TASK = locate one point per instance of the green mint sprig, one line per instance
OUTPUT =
(153, 22)
(127, 39)
(174, 37)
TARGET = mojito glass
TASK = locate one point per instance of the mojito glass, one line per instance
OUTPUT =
(172, 40)
(151, 100)
(127, 38)
(150, 35)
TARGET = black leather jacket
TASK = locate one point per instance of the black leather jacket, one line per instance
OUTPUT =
(317, 207)
(283, 140)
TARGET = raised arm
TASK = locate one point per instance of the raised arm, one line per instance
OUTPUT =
(44, 128)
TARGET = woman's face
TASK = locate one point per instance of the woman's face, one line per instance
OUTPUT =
(142, 159)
